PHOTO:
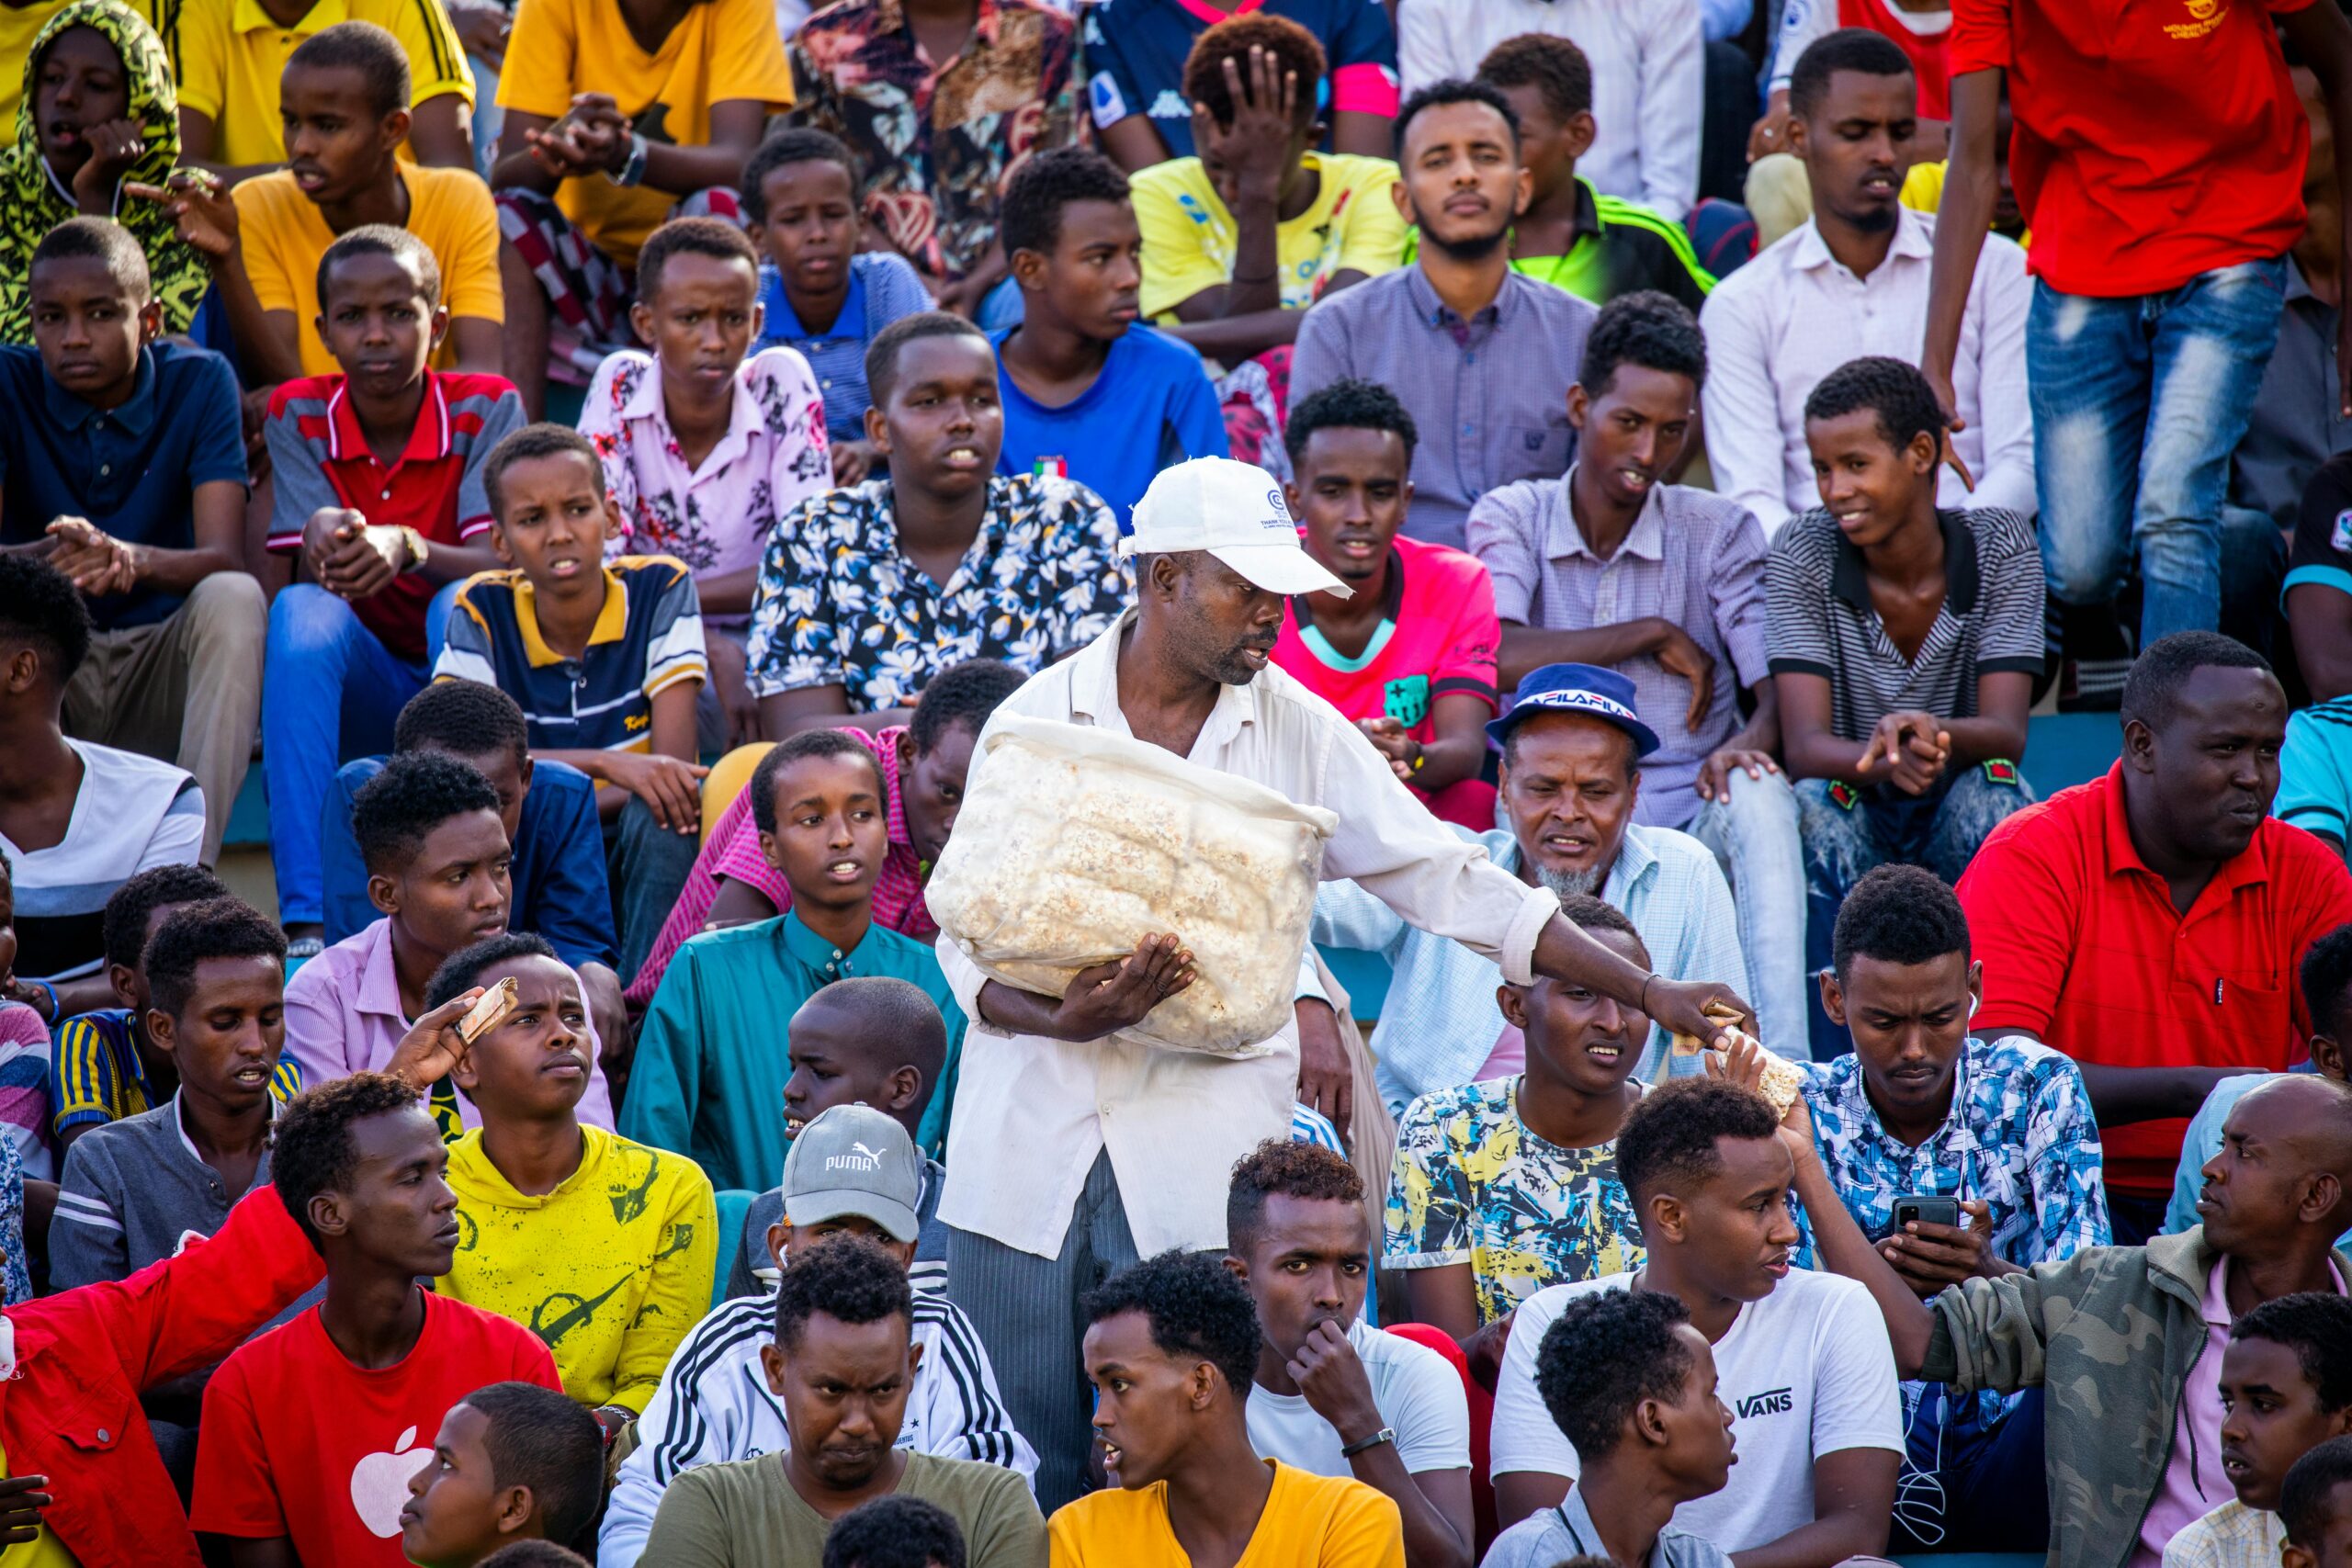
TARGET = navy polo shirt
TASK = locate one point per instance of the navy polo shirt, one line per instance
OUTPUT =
(1136, 50)
(132, 470)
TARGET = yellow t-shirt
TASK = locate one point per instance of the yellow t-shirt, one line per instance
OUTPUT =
(44, 1550)
(1311, 1521)
(231, 53)
(723, 52)
(20, 25)
(1188, 237)
(611, 1269)
(284, 234)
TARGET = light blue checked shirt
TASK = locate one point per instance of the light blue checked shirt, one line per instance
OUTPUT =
(1440, 1021)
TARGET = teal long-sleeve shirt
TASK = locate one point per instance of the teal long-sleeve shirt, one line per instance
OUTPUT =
(711, 1058)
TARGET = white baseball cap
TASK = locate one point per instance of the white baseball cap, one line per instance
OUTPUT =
(1235, 512)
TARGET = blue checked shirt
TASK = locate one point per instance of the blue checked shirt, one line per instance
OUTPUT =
(1440, 1021)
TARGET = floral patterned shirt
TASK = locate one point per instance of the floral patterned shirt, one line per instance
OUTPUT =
(716, 517)
(839, 605)
(1472, 1183)
(936, 144)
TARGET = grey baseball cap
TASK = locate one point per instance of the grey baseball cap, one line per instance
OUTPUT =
(857, 1161)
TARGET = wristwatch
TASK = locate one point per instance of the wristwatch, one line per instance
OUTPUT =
(419, 551)
(1385, 1435)
(632, 171)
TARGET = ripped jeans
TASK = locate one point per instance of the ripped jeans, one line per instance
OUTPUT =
(2138, 402)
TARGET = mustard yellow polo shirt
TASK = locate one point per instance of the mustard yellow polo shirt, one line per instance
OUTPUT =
(231, 52)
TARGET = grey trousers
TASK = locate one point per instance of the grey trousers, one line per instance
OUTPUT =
(1026, 1308)
(186, 690)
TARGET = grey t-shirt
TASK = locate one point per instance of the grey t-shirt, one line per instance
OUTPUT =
(1555, 1535)
(744, 1514)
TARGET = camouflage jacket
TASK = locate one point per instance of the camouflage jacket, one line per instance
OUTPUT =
(2111, 1333)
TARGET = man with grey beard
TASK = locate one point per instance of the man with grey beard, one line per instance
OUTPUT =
(1572, 746)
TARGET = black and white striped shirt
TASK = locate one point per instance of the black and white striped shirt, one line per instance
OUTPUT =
(713, 1405)
(1821, 622)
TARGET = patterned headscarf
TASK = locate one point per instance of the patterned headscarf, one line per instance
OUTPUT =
(32, 201)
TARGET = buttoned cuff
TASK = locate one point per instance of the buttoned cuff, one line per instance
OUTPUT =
(1517, 955)
(964, 979)
(1310, 985)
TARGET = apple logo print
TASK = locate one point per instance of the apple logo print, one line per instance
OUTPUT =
(379, 1484)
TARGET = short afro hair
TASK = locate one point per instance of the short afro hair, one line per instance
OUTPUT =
(416, 793)
(1280, 1166)
(1198, 1310)
(1555, 67)
(1848, 49)
(2164, 667)
(966, 695)
(799, 749)
(544, 1439)
(1295, 51)
(882, 354)
(712, 237)
(2307, 1500)
(130, 909)
(847, 1276)
(1030, 217)
(1898, 914)
(464, 719)
(897, 1531)
(462, 969)
(2327, 979)
(312, 1149)
(40, 608)
(1589, 913)
(792, 144)
(1444, 95)
(1669, 1135)
(1649, 330)
(1603, 1355)
(217, 928)
(373, 52)
(1893, 390)
(534, 1554)
(2317, 1327)
(1348, 403)
(529, 444)
(99, 239)
(379, 240)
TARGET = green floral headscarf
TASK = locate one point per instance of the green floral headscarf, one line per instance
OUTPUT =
(32, 202)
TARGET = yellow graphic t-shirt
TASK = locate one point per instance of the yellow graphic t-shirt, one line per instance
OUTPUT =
(1188, 237)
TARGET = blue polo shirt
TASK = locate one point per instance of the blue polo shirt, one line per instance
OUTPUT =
(559, 888)
(1152, 405)
(883, 287)
(132, 470)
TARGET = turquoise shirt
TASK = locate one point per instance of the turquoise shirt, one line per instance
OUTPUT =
(711, 1059)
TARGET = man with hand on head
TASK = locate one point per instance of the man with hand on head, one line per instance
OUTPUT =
(852, 1169)
(1333, 1394)
(1084, 1150)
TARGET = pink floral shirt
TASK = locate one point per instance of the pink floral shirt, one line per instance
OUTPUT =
(716, 517)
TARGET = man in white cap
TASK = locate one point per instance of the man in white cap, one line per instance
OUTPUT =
(1073, 1154)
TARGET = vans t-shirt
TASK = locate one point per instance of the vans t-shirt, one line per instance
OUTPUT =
(1412, 1387)
(1807, 1372)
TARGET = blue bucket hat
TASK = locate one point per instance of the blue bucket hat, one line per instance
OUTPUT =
(1587, 689)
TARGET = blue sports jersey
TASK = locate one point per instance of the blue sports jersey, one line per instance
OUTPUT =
(1152, 406)
(1136, 50)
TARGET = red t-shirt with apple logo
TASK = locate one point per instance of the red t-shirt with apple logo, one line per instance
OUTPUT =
(295, 1442)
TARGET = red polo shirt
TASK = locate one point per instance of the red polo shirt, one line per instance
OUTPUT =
(2083, 950)
(2156, 139)
(322, 458)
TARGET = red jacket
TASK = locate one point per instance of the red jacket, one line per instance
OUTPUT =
(72, 1412)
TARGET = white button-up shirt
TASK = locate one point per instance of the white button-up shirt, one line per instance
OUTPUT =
(1649, 79)
(1032, 1112)
(1795, 313)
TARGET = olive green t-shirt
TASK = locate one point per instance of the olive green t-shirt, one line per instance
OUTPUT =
(744, 1514)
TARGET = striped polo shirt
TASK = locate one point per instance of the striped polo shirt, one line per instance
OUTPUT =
(647, 637)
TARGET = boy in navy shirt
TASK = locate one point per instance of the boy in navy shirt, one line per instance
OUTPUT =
(605, 657)
(127, 457)
(1090, 393)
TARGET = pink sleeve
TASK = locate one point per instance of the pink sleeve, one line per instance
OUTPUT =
(739, 859)
(1468, 662)
(1366, 88)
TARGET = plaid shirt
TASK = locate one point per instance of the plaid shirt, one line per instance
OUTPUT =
(2231, 1536)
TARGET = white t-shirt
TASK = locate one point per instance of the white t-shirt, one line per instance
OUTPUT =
(1416, 1391)
(131, 813)
(1807, 1371)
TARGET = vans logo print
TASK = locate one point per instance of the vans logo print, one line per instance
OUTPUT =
(1771, 1401)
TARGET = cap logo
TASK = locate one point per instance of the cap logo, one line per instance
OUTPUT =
(1576, 697)
(1280, 519)
(860, 1158)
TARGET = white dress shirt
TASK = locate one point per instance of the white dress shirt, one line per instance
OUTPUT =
(1032, 1112)
(1795, 313)
(1649, 79)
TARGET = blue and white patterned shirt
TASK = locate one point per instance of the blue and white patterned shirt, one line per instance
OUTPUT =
(1441, 1023)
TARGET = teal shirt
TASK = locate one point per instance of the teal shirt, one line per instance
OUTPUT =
(711, 1061)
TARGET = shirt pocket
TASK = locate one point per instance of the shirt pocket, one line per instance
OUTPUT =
(1534, 452)
(95, 1419)
(2247, 1025)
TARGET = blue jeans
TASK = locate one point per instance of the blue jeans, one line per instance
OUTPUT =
(1753, 833)
(330, 693)
(2137, 404)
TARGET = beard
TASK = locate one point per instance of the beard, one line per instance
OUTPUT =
(1568, 884)
(1466, 248)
